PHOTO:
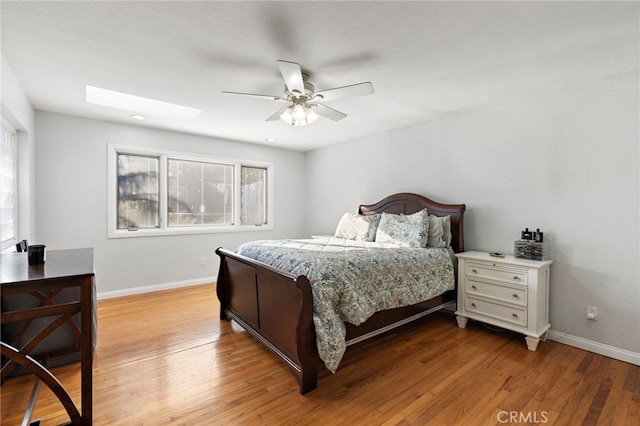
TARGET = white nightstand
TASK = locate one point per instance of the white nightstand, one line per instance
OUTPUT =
(508, 292)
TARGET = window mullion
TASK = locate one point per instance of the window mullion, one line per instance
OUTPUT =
(164, 192)
(237, 194)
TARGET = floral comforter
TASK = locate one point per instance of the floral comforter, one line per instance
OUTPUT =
(351, 280)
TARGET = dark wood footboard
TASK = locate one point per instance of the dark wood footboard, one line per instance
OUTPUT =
(275, 307)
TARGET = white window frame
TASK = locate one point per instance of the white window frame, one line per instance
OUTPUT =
(13, 241)
(164, 229)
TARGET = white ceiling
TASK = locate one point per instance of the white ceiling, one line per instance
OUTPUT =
(426, 60)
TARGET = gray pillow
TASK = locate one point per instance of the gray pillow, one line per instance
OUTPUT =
(439, 231)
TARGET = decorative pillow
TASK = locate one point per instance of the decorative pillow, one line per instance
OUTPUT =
(357, 227)
(405, 230)
(439, 231)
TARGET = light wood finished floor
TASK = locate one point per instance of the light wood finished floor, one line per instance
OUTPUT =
(165, 359)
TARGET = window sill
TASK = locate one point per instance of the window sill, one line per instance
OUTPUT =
(187, 231)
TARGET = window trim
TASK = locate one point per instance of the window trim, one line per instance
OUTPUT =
(165, 229)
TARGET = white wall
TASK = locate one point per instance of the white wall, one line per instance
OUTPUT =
(71, 191)
(566, 161)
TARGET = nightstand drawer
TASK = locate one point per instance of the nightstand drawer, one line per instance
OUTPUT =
(510, 314)
(517, 296)
(497, 273)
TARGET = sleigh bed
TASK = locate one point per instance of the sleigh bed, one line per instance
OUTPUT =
(277, 307)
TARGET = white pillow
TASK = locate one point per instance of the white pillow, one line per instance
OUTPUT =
(357, 227)
(405, 230)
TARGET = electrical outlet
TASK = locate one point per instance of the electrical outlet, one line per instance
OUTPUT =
(202, 261)
(592, 313)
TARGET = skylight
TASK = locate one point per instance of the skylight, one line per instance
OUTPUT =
(138, 104)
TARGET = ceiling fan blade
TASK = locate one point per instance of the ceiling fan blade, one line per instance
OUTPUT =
(257, 96)
(292, 75)
(327, 112)
(276, 115)
(345, 92)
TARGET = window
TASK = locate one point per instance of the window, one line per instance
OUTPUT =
(138, 192)
(153, 192)
(253, 182)
(200, 193)
(8, 180)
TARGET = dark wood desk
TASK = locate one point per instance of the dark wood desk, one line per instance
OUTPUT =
(62, 270)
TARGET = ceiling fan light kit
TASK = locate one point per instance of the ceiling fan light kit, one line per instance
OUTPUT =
(304, 106)
(299, 114)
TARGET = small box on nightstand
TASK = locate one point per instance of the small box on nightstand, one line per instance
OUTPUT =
(530, 250)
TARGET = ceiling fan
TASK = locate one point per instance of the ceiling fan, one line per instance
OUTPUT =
(303, 102)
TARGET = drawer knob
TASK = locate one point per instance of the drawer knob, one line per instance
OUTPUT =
(474, 287)
(473, 305)
(515, 295)
(514, 315)
(474, 271)
(515, 277)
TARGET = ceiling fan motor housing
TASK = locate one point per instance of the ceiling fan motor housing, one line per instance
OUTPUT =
(309, 90)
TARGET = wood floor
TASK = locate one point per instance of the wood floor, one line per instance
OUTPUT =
(165, 359)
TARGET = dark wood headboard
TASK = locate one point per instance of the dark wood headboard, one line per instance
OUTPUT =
(407, 203)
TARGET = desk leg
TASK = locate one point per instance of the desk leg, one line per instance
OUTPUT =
(86, 315)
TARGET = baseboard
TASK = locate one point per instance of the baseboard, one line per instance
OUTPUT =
(155, 287)
(595, 347)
